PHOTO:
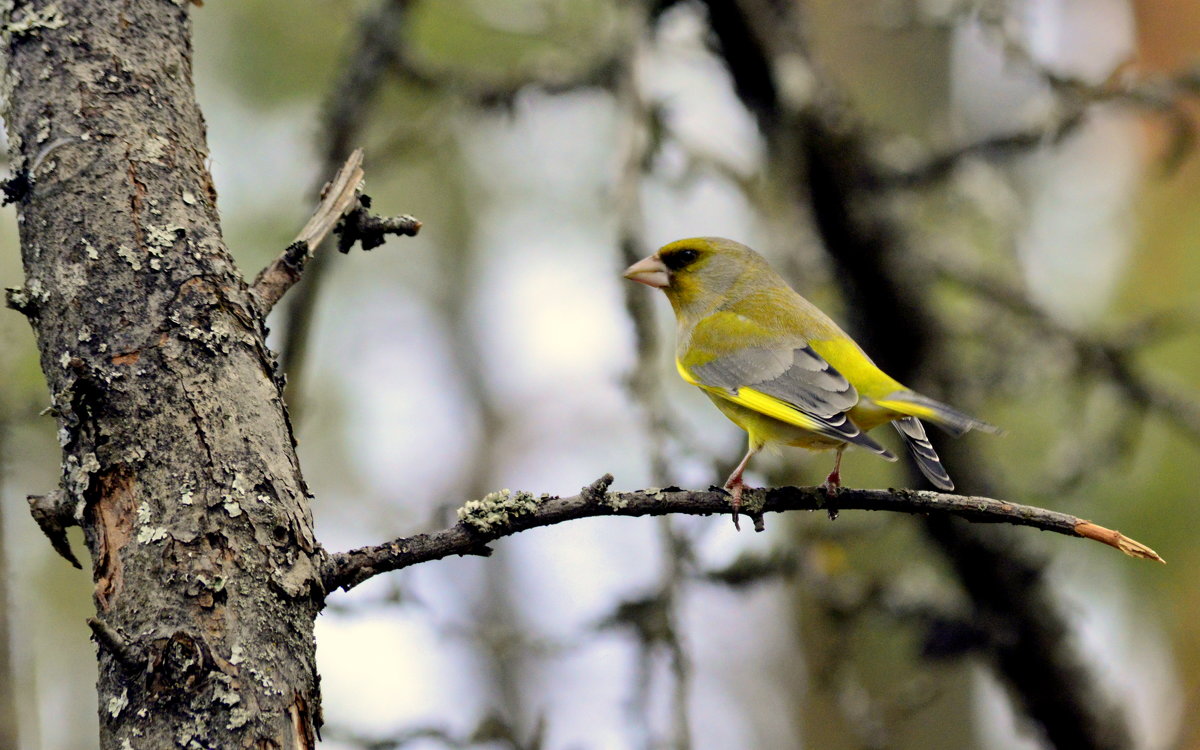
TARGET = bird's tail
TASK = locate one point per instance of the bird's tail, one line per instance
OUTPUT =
(948, 418)
(922, 452)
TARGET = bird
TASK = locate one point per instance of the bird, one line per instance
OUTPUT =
(781, 369)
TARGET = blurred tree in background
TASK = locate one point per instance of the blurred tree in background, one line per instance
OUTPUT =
(996, 198)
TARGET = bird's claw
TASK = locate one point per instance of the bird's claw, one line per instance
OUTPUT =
(735, 492)
(833, 483)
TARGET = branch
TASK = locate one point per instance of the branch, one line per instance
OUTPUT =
(343, 209)
(339, 195)
(504, 513)
(54, 513)
(1075, 97)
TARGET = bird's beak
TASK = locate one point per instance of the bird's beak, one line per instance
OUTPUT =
(649, 271)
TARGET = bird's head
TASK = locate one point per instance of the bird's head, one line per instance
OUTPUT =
(691, 270)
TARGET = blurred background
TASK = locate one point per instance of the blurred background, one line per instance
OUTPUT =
(998, 199)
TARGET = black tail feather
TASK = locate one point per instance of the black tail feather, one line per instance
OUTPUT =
(923, 453)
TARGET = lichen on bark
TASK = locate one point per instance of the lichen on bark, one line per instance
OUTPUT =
(176, 442)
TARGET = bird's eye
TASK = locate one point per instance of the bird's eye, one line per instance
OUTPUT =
(680, 259)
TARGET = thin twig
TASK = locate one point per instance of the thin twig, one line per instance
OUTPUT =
(343, 210)
(1075, 98)
(348, 569)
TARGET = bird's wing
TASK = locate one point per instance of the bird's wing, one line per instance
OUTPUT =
(780, 376)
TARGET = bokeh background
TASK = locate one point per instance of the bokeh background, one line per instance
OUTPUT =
(1043, 197)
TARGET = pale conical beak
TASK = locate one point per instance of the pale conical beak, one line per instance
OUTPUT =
(649, 271)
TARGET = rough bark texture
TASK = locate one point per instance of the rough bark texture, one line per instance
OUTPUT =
(177, 450)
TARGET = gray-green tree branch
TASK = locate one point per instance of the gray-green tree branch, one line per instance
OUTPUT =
(505, 513)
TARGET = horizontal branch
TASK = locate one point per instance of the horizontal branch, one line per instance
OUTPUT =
(504, 513)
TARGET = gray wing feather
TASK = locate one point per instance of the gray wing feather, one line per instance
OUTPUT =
(797, 375)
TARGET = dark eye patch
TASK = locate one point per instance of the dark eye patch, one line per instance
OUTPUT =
(680, 259)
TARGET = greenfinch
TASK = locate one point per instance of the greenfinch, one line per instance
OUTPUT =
(778, 367)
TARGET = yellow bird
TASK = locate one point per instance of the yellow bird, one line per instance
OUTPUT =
(778, 367)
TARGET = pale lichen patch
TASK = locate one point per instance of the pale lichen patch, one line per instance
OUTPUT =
(43, 130)
(159, 239)
(130, 257)
(155, 148)
(148, 534)
(117, 703)
(615, 501)
(238, 717)
(497, 509)
(223, 693)
(29, 21)
(79, 473)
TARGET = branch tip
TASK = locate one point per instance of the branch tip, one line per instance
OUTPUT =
(1116, 539)
(370, 231)
(115, 643)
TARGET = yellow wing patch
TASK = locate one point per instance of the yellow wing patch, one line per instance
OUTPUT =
(774, 408)
(759, 402)
(683, 373)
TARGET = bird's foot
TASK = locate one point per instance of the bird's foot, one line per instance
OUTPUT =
(735, 492)
(832, 486)
(833, 483)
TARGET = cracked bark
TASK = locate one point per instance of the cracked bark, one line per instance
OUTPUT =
(177, 451)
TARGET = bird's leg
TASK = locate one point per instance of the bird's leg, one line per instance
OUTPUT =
(833, 482)
(735, 485)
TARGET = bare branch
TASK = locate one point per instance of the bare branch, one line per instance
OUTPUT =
(117, 644)
(503, 514)
(551, 78)
(54, 513)
(1165, 95)
(343, 209)
(339, 197)
(1050, 132)
(361, 226)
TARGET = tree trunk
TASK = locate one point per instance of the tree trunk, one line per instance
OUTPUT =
(178, 457)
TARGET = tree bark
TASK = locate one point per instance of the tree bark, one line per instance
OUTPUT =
(178, 454)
